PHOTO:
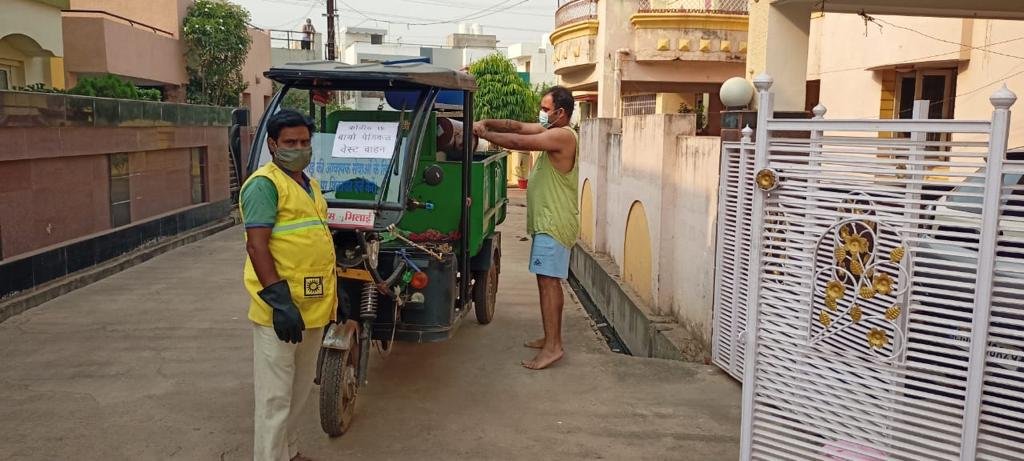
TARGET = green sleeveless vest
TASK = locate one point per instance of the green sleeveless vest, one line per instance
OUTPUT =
(552, 206)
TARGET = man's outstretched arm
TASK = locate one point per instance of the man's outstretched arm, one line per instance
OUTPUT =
(546, 140)
(507, 126)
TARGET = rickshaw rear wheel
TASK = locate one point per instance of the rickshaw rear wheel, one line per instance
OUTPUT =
(485, 290)
(338, 390)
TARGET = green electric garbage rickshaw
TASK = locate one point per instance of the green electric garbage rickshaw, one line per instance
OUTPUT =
(412, 207)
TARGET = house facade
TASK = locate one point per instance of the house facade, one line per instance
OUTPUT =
(876, 66)
(31, 47)
(639, 56)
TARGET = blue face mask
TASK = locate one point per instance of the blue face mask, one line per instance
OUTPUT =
(542, 117)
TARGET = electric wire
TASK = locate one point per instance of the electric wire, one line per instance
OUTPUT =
(475, 15)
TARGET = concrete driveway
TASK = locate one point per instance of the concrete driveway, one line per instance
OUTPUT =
(156, 363)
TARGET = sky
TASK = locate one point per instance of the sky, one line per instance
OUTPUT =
(513, 21)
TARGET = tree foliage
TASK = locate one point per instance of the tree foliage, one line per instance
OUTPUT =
(298, 100)
(501, 93)
(217, 43)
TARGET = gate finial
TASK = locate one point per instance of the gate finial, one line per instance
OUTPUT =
(762, 82)
(1003, 98)
(819, 111)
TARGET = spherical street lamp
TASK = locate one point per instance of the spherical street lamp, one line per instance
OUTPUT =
(736, 92)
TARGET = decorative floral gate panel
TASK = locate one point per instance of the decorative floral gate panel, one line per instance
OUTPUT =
(886, 289)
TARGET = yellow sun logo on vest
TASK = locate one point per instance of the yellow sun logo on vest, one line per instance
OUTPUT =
(314, 287)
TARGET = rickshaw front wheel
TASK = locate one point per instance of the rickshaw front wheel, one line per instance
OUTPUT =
(338, 390)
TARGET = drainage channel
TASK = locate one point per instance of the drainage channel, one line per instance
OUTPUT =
(611, 337)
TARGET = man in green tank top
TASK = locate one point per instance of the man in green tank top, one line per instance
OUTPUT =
(552, 209)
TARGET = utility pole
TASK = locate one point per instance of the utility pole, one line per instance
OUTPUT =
(331, 55)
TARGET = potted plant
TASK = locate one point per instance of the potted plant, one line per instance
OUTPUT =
(522, 176)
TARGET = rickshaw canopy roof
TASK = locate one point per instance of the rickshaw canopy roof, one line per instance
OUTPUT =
(369, 77)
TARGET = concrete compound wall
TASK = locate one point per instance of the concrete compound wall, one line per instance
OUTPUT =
(690, 238)
(55, 181)
(655, 161)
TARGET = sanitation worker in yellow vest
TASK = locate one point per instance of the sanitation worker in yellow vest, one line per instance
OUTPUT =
(552, 210)
(290, 277)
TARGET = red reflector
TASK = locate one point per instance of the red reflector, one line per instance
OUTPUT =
(419, 280)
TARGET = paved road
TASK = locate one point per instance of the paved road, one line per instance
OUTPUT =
(156, 363)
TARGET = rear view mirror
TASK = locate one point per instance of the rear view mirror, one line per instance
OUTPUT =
(239, 118)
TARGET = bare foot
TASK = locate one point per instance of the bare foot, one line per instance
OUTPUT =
(535, 344)
(544, 359)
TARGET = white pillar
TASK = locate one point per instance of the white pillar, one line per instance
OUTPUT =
(778, 42)
(614, 35)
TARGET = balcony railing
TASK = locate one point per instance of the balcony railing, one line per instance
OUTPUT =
(571, 11)
(693, 6)
(131, 22)
(290, 39)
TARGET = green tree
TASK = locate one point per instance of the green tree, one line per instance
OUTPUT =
(298, 100)
(295, 99)
(501, 93)
(217, 42)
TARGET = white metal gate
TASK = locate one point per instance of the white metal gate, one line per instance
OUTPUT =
(887, 290)
(732, 284)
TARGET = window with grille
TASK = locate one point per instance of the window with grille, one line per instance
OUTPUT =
(120, 190)
(639, 104)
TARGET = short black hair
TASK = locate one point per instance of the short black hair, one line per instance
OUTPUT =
(288, 118)
(561, 97)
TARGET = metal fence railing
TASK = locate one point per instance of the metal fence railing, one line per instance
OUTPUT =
(25, 109)
(290, 39)
(575, 11)
(693, 6)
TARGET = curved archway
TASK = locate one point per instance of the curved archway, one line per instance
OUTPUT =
(25, 45)
(26, 62)
(637, 260)
(587, 230)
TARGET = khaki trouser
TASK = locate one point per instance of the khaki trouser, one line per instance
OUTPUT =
(283, 379)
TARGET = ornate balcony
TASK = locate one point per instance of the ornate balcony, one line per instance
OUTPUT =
(690, 30)
(574, 37)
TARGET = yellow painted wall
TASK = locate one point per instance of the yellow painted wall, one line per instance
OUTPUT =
(57, 73)
(587, 215)
(637, 261)
(668, 103)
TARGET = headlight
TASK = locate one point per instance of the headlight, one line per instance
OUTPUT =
(372, 253)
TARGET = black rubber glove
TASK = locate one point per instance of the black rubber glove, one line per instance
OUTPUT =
(288, 322)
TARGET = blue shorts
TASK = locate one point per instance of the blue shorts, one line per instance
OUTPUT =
(548, 257)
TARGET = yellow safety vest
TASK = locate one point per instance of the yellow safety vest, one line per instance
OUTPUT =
(303, 252)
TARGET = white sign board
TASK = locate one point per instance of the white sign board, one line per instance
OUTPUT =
(347, 218)
(365, 140)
